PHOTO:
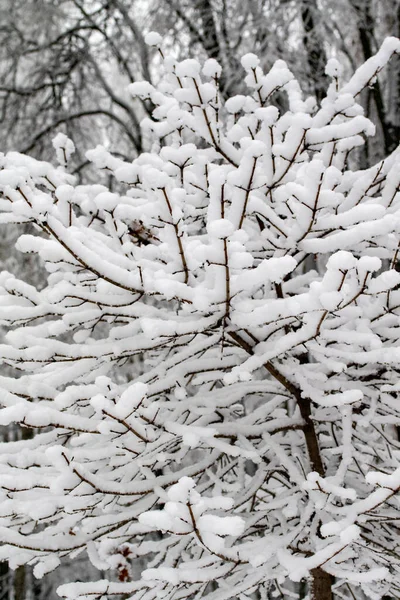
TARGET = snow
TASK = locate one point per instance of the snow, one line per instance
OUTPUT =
(235, 104)
(46, 566)
(153, 38)
(383, 480)
(350, 534)
(212, 68)
(233, 294)
(130, 398)
(341, 399)
(12, 178)
(188, 68)
(65, 192)
(64, 148)
(384, 282)
(220, 228)
(268, 114)
(250, 61)
(142, 89)
(107, 201)
(333, 68)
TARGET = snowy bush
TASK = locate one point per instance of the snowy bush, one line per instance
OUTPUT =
(251, 274)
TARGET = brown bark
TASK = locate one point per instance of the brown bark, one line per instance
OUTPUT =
(321, 585)
(321, 581)
(19, 583)
(311, 436)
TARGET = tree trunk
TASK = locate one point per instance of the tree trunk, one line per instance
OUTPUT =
(314, 45)
(19, 583)
(4, 581)
(365, 27)
(321, 582)
(321, 585)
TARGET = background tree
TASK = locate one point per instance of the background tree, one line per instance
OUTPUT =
(65, 65)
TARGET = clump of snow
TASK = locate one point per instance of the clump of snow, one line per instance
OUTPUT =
(142, 89)
(250, 61)
(65, 192)
(153, 38)
(64, 148)
(188, 68)
(212, 68)
(220, 228)
(333, 68)
(235, 104)
(107, 201)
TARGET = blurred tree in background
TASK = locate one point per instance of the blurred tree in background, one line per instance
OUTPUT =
(65, 64)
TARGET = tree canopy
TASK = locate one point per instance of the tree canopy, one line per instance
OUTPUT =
(211, 368)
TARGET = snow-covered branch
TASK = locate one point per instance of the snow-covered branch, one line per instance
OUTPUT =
(211, 371)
